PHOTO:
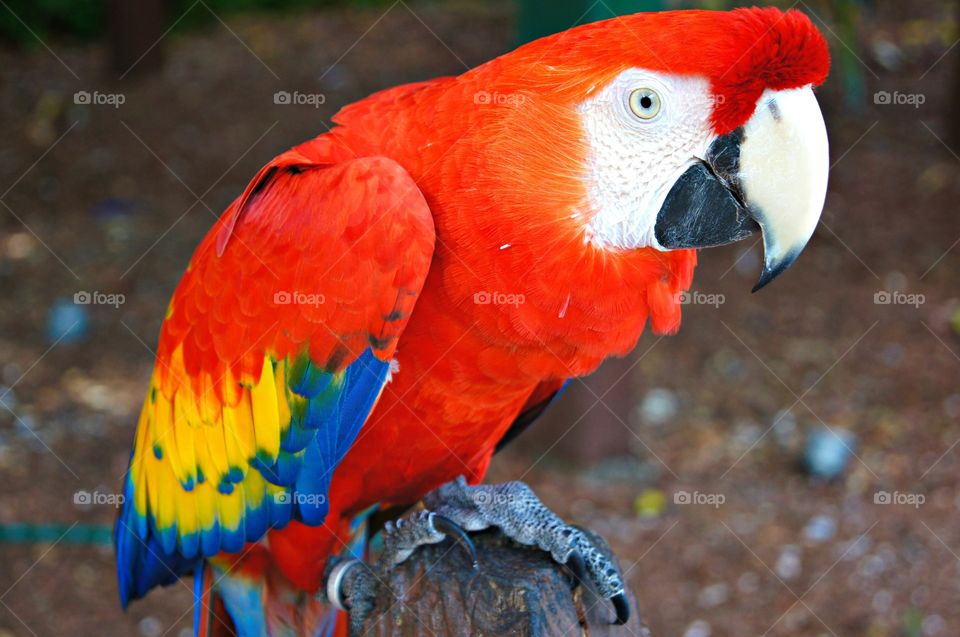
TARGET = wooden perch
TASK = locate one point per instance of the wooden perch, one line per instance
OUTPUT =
(517, 590)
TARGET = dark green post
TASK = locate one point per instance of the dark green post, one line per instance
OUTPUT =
(537, 18)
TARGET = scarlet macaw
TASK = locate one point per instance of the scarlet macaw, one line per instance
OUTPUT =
(384, 302)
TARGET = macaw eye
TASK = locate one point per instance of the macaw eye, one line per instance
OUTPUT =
(645, 103)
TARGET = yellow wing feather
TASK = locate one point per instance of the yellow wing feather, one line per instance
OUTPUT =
(266, 413)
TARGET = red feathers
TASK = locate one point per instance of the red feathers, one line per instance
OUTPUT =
(742, 53)
(788, 52)
(441, 204)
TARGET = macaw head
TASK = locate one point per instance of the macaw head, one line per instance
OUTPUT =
(694, 128)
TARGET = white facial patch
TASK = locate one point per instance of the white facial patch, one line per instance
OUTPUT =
(632, 161)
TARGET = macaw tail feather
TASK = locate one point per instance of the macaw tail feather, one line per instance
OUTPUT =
(239, 601)
(210, 616)
(245, 595)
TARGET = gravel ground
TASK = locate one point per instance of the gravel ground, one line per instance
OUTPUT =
(722, 531)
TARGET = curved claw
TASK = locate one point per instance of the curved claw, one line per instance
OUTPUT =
(578, 567)
(335, 583)
(622, 606)
(456, 533)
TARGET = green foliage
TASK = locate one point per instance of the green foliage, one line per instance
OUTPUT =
(22, 22)
(198, 15)
(537, 18)
(78, 18)
(912, 623)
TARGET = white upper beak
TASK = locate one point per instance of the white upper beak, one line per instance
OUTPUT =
(784, 163)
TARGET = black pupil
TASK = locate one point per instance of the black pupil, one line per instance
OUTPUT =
(646, 102)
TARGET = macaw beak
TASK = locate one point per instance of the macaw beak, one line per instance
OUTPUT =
(768, 175)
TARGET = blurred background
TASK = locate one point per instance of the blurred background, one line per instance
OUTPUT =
(786, 465)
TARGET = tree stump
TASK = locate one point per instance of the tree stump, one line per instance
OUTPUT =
(516, 590)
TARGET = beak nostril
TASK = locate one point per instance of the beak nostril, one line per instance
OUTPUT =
(774, 110)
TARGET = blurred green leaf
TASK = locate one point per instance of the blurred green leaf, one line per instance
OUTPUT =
(912, 623)
(22, 22)
(79, 18)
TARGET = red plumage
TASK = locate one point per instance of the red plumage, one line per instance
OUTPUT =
(467, 370)
(500, 184)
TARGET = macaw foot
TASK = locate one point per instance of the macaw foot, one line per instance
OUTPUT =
(352, 585)
(457, 507)
(513, 508)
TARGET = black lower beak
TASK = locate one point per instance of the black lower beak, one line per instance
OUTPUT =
(705, 207)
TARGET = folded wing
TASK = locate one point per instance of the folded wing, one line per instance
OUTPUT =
(275, 348)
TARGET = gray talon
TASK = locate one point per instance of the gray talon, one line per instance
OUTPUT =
(403, 536)
(352, 587)
(336, 575)
(622, 606)
(455, 532)
(578, 567)
(520, 515)
(456, 508)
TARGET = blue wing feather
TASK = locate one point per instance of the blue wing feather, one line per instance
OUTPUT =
(314, 444)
